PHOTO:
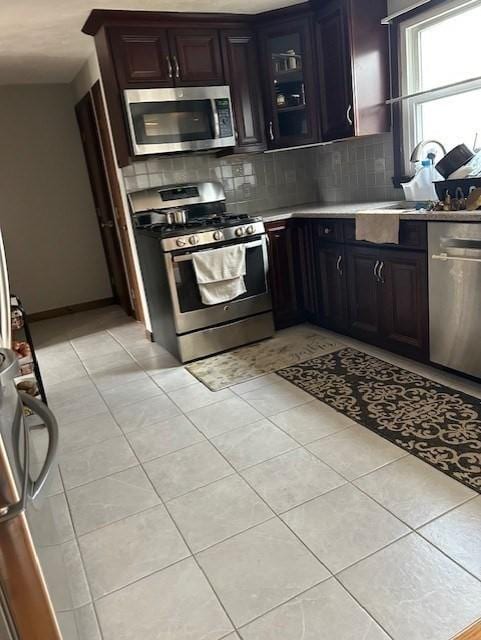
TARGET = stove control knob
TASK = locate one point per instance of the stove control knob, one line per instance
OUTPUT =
(218, 235)
(239, 231)
(250, 230)
(194, 239)
(180, 242)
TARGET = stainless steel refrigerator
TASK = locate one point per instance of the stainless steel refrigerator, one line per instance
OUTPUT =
(37, 542)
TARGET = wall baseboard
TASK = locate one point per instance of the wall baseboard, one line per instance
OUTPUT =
(74, 308)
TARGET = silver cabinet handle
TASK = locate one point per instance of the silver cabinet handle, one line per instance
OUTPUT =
(43, 412)
(339, 265)
(107, 225)
(380, 272)
(375, 270)
(177, 68)
(169, 67)
(348, 115)
(271, 131)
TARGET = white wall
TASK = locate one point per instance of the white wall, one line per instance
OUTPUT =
(47, 216)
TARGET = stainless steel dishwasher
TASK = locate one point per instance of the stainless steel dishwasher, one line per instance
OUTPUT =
(455, 295)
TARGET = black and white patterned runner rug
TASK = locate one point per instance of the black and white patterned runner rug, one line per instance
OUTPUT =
(437, 424)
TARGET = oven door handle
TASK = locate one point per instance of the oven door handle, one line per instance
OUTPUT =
(188, 256)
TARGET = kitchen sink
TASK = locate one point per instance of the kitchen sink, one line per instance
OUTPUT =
(400, 206)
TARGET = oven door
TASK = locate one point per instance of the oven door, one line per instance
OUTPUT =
(190, 119)
(191, 314)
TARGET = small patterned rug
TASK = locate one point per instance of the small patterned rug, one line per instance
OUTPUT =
(437, 424)
(288, 347)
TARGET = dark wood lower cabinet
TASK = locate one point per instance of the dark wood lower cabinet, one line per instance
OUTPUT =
(388, 299)
(307, 270)
(404, 308)
(333, 309)
(282, 274)
(364, 303)
(370, 292)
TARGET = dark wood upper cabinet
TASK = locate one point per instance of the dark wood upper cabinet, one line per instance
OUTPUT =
(335, 75)
(142, 57)
(239, 50)
(289, 82)
(322, 67)
(353, 52)
(196, 58)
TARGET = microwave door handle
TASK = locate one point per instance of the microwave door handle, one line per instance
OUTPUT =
(215, 119)
(43, 412)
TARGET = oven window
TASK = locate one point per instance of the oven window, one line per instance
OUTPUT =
(177, 121)
(188, 289)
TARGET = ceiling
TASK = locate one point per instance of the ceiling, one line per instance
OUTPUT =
(41, 41)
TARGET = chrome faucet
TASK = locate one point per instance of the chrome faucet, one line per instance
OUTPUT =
(417, 156)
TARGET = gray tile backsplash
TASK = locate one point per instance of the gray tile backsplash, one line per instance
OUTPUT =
(356, 170)
(351, 170)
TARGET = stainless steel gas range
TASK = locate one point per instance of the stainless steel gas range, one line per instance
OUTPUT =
(171, 224)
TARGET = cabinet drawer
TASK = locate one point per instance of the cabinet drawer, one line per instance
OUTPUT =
(329, 230)
(412, 234)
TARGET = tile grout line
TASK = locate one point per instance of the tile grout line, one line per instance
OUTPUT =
(350, 482)
(331, 575)
(179, 531)
(87, 580)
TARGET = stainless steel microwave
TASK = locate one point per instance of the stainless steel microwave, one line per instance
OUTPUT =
(179, 119)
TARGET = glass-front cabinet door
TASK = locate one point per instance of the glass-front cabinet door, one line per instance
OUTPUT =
(289, 59)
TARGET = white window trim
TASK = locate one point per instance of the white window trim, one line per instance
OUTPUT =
(409, 68)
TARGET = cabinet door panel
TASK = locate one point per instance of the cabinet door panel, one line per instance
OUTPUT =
(196, 57)
(363, 292)
(404, 300)
(335, 72)
(307, 269)
(332, 271)
(142, 57)
(291, 101)
(242, 74)
(282, 274)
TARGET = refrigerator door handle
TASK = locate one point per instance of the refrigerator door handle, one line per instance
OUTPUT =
(41, 410)
(5, 317)
(13, 510)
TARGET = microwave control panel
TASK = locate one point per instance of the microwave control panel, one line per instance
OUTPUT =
(225, 119)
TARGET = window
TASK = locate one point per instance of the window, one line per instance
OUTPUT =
(441, 62)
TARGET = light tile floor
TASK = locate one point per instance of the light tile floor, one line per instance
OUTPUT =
(253, 513)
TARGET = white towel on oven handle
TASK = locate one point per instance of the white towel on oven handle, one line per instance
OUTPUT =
(220, 273)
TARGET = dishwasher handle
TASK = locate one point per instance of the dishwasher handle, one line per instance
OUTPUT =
(43, 412)
(443, 257)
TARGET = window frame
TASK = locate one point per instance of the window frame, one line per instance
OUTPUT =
(409, 68)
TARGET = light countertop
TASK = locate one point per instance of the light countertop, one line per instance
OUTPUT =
(349, 210)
